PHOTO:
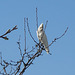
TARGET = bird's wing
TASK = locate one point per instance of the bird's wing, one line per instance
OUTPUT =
(45, 42)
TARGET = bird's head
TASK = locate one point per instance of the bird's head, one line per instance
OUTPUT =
(40, 27)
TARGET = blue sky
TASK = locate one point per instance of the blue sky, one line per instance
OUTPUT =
(60, 14)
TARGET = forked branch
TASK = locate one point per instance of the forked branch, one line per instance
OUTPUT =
(19, 66)
(7, 32)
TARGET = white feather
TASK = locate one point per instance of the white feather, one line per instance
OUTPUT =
(42, 37)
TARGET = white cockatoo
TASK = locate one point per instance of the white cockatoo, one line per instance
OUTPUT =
(42, 37)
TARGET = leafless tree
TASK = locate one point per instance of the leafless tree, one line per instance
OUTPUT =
(28, 56)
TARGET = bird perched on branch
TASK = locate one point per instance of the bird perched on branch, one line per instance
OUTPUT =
(42, 37)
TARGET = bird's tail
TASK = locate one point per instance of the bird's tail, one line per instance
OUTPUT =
(47, 50)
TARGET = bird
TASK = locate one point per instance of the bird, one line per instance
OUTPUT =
(42, 37)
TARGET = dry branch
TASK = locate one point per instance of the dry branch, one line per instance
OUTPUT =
(19, 66)
(7, 32)
(36, 18)
(58, 37)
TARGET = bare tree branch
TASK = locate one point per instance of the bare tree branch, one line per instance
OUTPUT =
(36, 18)
(46, 25)
(25, 32)
(30, 32)
(58, 37)
(8, 31)
(0, 57)
(19, 46)
(19, 66)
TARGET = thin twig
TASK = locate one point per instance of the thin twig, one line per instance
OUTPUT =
(45, 25)
(58, 37)
(19, 46)
(62, 34)
(0, 57)
(30, 32)
(7, 32)
(25, 33)
(36, 19)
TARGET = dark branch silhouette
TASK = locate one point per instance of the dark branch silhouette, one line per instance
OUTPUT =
(25, 32)
(36, 19)
(8, 31)
(46, 25)
(19, 66)
(30, 32)
(58, 37)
